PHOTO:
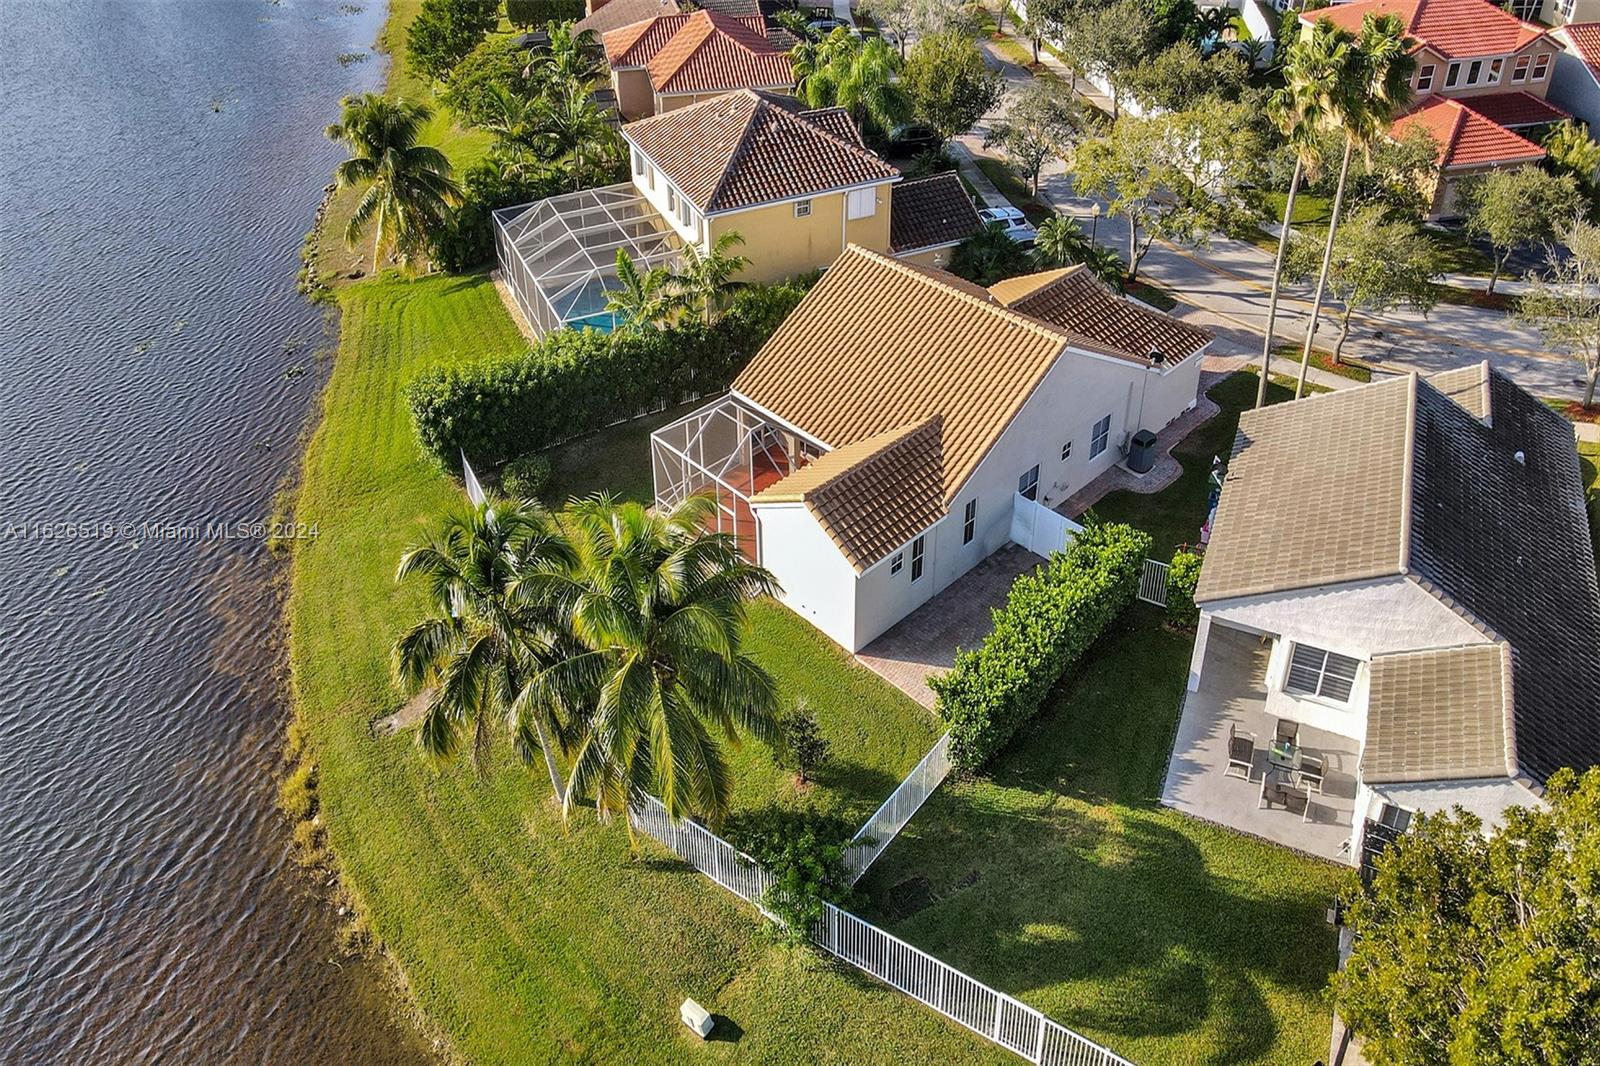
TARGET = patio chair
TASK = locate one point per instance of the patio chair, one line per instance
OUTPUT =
(1288, 732)
(1275, 791)
(1241, 753)
(1309, 775)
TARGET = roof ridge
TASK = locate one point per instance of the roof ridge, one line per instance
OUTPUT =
(893, 438)
(738, 149)
(1408, 472)
(689, 26)
(992, 305)
(856, 149)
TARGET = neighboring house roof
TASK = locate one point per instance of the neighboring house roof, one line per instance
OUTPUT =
(1515, 110)
(1585, 40)
(1456, 29)
(1466, 136)
(845, 490)
(1075, 300)
(1440, 714)
(619, 13)
(879, 345)
(931, 212)
(743, 149)
(746, 9)
(1480, 504)
(700, 52)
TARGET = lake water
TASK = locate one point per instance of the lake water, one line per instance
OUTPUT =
(162, 161)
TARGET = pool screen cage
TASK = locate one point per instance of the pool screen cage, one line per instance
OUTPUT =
(729, 451)
(559, 256)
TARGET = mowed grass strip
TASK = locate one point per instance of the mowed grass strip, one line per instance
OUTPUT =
(523, 940)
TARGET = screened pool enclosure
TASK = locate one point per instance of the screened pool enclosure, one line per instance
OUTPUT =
(559, 256)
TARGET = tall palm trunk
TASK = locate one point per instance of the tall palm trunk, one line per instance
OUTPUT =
(1277, 274)
(556, 786)
(1327, 264)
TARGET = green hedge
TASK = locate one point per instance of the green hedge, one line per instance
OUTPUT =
(1050, 619)
(577, 381)
(1183, 576)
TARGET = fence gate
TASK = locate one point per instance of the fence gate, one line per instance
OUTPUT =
(1153, 583)
(1038, 528)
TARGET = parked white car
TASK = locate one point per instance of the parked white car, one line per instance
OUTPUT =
(1016, 224)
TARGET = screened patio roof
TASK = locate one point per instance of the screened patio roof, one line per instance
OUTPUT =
(559, 256)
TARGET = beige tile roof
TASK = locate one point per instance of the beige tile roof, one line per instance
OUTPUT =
(880, 344)
(1440, 715)
(619, 13)
(1318, 492)
(1077, 301)
(846, 490)
(1467, 386)
(742, 149)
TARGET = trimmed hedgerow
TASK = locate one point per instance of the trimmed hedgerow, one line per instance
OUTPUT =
(577, 381)
(1050, 618)
(1182, 578)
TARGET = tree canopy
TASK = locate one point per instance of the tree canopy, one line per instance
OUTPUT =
(1564, 305)
(950, 85)
(1518, 208)
(445, 31)
(1039, 125)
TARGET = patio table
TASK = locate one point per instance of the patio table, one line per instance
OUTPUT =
(1284, 755)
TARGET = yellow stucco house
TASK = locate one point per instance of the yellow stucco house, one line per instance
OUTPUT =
(797, 185)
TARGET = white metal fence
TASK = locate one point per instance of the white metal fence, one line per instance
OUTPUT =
(1014, 1026)
(881, 829)
(1153, 583)
(1040, 529)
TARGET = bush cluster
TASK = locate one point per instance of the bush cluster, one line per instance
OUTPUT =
(577, 381)
(1050, 619)
(526, 478)
(804, 852)
(466, 241)
(1182, 578)
(525, 14)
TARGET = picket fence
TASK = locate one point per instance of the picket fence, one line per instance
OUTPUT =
(994, 1015)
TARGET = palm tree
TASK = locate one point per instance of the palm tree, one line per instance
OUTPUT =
(570, 57)
(1301, 110)
(1061, 242)
(485, 633)
(567, 126)
(409, 187)
(643, 298)
(660, 614)
(855, 74)
(706, 277)
(1379, 80)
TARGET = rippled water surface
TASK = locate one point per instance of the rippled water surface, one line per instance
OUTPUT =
(162, 160)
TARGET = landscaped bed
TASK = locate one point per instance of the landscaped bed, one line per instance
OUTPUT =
(521, 939)
(1322, 359)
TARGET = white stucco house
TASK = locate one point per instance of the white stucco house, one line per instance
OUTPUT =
(1577, 82)
(1401, 576)
(878, 445)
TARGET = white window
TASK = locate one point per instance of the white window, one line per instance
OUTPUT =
(916, 558)
(1452, 74)
(1325, 674)
(1519, 72)
(802, 209)
(672, 198)
(1425, 78)
(1495, 68)
(686, 213)
(969, 522)
(1028, 483)
(1066, 451)
(650, 177)
(1473, 71)
(638, 163)
(897, 562)
(1541, 66)
(861, 203)
(1101, 434)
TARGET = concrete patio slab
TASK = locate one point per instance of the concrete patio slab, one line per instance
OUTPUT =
(924, 642)
(1233, 691)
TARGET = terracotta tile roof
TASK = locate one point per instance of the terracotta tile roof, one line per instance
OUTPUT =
(1399, 479)
(879, 345)
(846, 490)
(1466, 137)
(700, 52)
(1455, 29)
(837, 121)
(1585, 40)
(929, 212)
(1075, 300)
(1516, 109)
(619, 13)
(1443, 714)
(742, 149)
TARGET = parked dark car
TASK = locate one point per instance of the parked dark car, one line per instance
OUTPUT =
(905, 141)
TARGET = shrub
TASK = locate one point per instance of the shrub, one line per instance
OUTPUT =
(467, 240)
(526, 13)
(1182, 577)
(444, 31)
(804, 852)
(804, 747)
(297, 796)
(493, 62)
(526, 478)
(577, 381)
(1050, 619)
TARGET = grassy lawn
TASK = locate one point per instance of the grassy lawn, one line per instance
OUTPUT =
(1311, 214)
(1173, 516)
(520, 939)
(1589, 459)
(1150, 293)
(1059, 879)
(1013, 188)
(1322, 359)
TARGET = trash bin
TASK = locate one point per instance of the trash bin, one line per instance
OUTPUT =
(1142, 452)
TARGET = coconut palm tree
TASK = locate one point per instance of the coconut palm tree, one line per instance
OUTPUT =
(660, 614)
(485, 634)
(408, 185)
(567, 126)
(853, 73)
(1313, 76)
(643, 299)
(1379, 81)
(570, 57)
(705, 278)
